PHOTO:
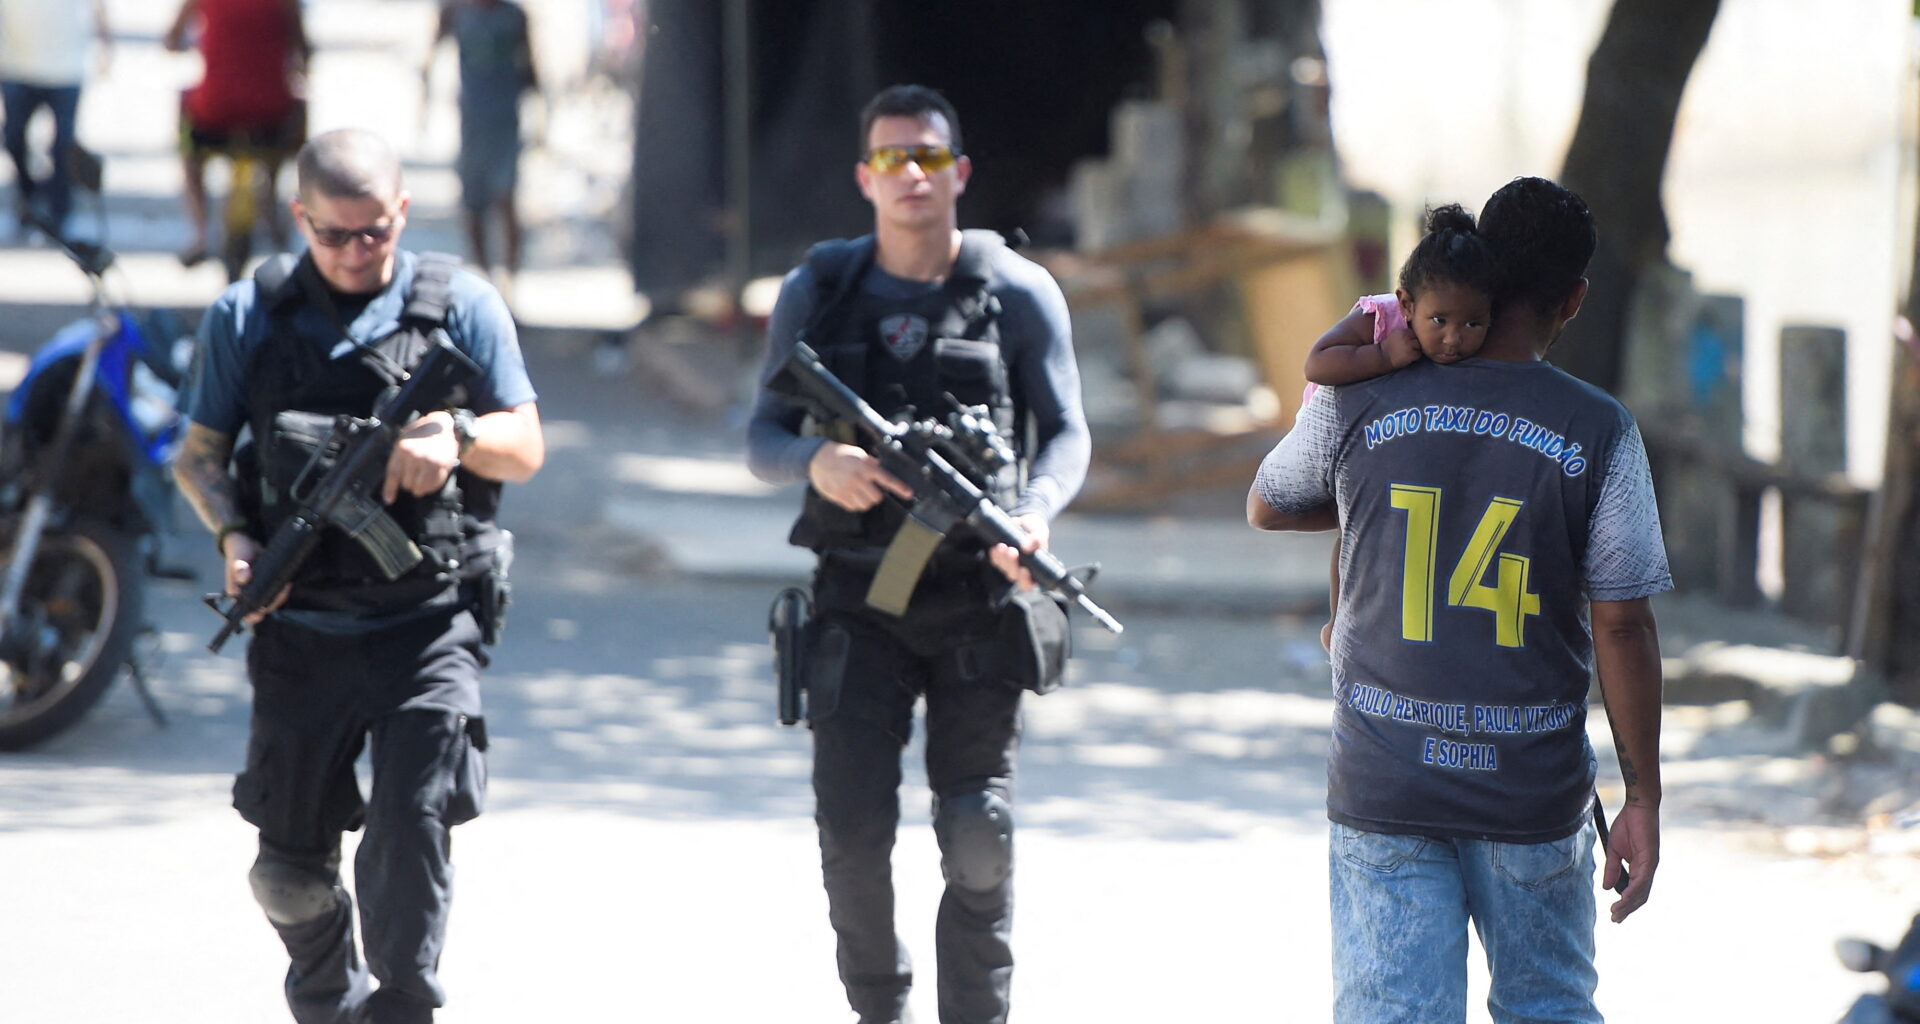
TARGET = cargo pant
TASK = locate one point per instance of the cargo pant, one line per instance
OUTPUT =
(866, 670)
(410, 696)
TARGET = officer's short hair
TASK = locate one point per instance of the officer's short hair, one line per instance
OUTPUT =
(348, 163)
(909, 101)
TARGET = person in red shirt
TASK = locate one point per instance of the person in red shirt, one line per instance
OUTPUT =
(251, 93)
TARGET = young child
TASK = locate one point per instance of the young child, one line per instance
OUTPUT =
(1440, 312)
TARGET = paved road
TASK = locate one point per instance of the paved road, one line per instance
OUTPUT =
(648, 855)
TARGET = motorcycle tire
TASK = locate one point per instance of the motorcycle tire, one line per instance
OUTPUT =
(78, 617)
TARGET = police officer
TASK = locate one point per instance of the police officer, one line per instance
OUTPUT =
(906, 316)
(347, 656)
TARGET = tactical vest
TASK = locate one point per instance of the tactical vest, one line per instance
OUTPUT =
(294, 393)
(905, 358)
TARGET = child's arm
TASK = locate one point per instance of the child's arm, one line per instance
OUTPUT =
(1346, 354)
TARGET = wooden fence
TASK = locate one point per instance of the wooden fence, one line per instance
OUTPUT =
(1686, 358)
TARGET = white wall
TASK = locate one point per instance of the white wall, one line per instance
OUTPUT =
(1787, 180)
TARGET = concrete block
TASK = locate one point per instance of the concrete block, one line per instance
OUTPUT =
(1813, 399)
(1147, 134)
(1094, 194)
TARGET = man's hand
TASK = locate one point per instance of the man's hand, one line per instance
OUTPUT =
(240, 552)
(422, 459)
(1007, 560)
(1401, 348)
(852, 479)
(1634, 841)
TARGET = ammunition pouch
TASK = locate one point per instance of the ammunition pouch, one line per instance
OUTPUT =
(1035, 640)
(1029, 645)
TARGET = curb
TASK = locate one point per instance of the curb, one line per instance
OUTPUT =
(1195, 566)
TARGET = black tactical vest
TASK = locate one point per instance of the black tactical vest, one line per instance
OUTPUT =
(294, 392)
(905, 359)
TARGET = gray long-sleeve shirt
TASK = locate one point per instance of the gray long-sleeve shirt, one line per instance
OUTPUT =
(1036, 342)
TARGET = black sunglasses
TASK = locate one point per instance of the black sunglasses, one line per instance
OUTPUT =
(334, 238)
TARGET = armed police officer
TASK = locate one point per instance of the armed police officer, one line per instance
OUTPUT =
(346, 657)
(914, 317)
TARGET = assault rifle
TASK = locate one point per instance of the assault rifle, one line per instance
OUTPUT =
(347, 495)
(922, 455)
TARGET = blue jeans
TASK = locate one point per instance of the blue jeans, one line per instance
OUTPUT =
(21, 99)
(1401, 905)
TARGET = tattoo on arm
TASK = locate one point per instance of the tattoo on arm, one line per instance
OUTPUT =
(1629, 775)
(201, 471)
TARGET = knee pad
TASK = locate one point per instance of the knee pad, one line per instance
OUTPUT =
(975, 831)
(290, 892)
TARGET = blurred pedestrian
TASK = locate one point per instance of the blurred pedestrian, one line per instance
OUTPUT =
(250, 95)
(496, 69)
(43, 63)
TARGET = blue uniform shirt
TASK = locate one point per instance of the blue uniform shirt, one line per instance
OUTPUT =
(478, 324)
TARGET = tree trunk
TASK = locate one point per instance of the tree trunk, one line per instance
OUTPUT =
(1885, 632)
(1616, 160)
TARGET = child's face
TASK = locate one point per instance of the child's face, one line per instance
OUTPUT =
(1450, 320)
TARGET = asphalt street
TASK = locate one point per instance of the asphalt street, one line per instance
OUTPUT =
(648, 853)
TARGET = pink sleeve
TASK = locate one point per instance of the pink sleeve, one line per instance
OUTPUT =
(1386, 316)
(1386, 311)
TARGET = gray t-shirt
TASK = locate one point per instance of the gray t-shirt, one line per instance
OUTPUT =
(1482, 505)
(1036, 342)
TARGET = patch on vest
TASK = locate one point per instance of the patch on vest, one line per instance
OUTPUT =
(904, 334)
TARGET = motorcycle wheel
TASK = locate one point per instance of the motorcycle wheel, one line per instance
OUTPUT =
(78, 616)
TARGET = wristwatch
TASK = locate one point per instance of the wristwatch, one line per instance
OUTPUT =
(464, 430)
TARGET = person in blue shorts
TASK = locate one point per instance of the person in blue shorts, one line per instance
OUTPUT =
(496, 69)
(1499, 546)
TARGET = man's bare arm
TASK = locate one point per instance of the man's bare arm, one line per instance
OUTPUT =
(201, 471)
(507, 446)
(1262, 516)
(1626, 648)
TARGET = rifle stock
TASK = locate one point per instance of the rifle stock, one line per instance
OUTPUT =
(344, 497)
(932, 475)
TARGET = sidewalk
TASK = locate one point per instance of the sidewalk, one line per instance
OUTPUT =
(1740, 683)
(1191, 564)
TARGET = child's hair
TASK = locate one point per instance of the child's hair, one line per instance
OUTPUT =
(1453, 252)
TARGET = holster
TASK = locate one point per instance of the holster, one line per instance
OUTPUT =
(787, 627)
(493, 592)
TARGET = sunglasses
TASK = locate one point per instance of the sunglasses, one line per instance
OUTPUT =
(334, 238)
(932, 159)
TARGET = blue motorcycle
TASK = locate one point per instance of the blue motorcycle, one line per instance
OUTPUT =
(1900, 966)
(86, 489)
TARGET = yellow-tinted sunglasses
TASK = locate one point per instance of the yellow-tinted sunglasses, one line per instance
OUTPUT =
(932, 159)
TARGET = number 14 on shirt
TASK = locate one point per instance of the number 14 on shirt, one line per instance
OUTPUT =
(1509, 598)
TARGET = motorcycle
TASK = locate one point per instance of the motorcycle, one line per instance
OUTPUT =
(1900, 966)
(86, 489)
